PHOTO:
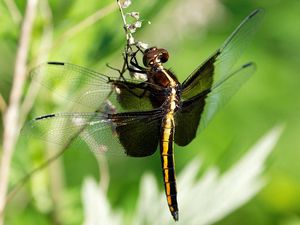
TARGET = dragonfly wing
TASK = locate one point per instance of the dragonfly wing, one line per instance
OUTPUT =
(89, 89)
(218, 66)
(187, 120)
(133, 134)
(205, 105)
(224, 90)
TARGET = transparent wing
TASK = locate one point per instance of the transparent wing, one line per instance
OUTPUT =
(91, 89)
(222, 91)
(217, 67)
(133, 134)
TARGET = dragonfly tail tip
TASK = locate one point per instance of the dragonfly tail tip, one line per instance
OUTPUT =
(175, 215)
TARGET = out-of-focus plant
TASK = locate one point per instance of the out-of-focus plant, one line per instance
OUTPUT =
(202, 201)
(18, 105)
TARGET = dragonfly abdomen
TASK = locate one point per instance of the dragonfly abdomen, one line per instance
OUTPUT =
(168, 164)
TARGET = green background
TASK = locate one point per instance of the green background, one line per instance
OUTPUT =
(269, 98)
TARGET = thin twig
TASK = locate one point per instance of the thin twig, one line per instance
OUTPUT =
(129, 36)
(46, 43)
(28, 176)
(14, 11)
(11, 125)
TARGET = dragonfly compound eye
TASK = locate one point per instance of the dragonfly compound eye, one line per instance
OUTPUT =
(163, 56)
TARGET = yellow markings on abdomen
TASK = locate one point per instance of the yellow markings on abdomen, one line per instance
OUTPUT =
(165, 160)
(166, 174)
(166, 150)
(167, 157)
(168, 188)
(169, 199)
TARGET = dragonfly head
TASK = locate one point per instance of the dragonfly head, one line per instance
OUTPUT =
(155, 57)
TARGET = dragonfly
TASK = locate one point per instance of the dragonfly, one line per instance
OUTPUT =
(137, 116)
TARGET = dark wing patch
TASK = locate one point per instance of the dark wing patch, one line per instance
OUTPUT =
(187, 119)
(140, 137)
(200, 80)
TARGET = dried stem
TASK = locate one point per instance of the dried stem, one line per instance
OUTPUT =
(12, 115)
(129, 37)
(13, 10)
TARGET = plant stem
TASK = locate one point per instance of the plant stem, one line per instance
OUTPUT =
(12, 114)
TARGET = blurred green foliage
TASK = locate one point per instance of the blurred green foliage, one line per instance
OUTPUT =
(270, 97)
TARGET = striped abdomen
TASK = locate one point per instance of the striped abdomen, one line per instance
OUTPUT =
(168, 165)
